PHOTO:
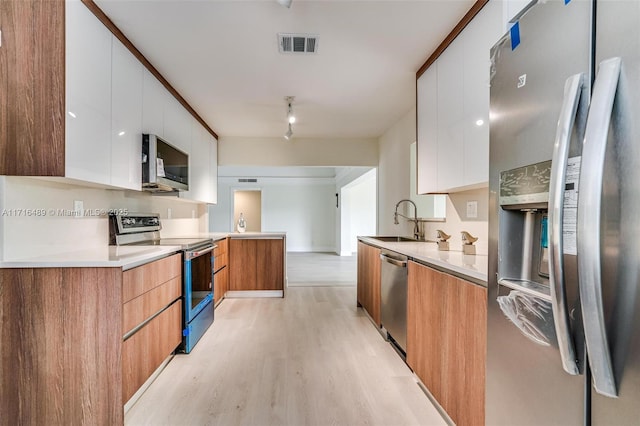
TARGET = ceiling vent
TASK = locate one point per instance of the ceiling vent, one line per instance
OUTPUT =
(251, 180)
(298, 43)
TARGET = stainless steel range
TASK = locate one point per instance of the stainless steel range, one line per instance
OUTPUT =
(197, 270)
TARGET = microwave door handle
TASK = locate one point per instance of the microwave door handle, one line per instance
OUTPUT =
(589, 233)
(572, 89)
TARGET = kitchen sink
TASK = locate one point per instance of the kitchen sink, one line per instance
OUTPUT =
(394, 239)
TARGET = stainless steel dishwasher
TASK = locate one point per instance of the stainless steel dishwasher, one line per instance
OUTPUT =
(393, 297)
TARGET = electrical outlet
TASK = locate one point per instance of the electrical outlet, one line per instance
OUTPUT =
(78, 208)
(472, 209)
(168, 213)
(193, 214)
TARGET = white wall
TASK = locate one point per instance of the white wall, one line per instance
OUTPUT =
(301, 207)
(305, 212)
(359, 205)
(31, 235)
(239, 151)
(393, 176)
(457, 220)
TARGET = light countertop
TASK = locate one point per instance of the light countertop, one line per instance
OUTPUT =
(469, 267)
(125, 257)
(249, 235)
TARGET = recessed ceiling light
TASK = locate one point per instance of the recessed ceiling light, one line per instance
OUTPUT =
(72, 114)
(121, 133)
(479, 122)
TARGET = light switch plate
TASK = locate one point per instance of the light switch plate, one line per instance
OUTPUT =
(472, 209)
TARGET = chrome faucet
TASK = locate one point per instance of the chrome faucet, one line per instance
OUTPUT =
(416, 229)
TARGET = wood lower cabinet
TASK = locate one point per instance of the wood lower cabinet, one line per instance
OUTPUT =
(446, 340)
(64, 359)
(145, 351)
(221, 284)
(256, 264)
(61, 345)
(151, 296)
(221, 268)
(369, 280)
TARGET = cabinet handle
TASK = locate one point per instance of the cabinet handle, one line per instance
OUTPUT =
(0, 38)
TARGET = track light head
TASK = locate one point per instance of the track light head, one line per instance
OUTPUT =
(290, 115)
(289, 133)
(285, 3)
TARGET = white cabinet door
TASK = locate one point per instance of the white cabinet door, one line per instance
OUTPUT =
(427, 143)
(126, 118)
(213, 172)
(88, 96)
(450, 116)
(511, 8)
(479, 36)
(153, 99)
(200, 184)
(177, 123)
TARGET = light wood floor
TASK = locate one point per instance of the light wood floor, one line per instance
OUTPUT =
(316, 269)
(312, 358)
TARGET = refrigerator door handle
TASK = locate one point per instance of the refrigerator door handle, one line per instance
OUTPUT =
(572, 90)
(589, 216)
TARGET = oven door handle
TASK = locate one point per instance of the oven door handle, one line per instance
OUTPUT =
(197, 253)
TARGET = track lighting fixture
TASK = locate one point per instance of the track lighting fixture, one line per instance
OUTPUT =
(289, 133)
(291, 118)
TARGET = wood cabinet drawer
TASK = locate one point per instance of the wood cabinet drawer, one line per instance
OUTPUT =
(220, 261)
(223, 247)
(220, 284)
(135, 311)
(147, 277)
(143, 352)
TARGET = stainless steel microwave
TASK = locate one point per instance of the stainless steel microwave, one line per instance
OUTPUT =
(164, 167)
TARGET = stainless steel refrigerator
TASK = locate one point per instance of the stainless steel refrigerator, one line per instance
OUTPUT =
(564, 224)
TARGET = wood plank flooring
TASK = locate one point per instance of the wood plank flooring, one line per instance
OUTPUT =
(321, 269)
(311, 358)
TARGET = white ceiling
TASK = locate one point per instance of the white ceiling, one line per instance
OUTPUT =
(222, 56)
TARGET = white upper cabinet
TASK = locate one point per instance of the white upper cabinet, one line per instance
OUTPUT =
(480, 35)
(458, 159)
(153, 99)
(88, 96)
(177, 123)
(111, 99)
(427, 98)
(213, 173)
(203, 166)
(450, 152)
(510, 9)
(126, 118)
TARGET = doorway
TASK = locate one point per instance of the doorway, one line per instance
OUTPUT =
(249, 204)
